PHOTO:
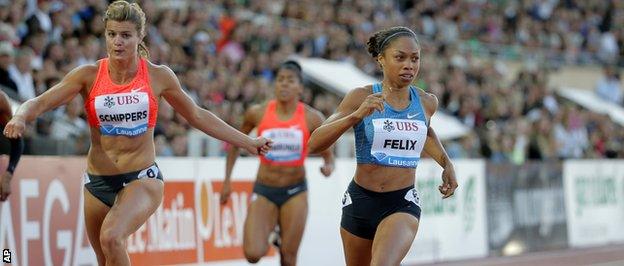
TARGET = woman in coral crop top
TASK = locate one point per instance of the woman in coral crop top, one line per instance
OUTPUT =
(123, 185)
(280, 190)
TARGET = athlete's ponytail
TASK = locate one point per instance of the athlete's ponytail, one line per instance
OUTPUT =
(143, 51)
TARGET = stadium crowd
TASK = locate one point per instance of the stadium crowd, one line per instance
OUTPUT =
(225, 51)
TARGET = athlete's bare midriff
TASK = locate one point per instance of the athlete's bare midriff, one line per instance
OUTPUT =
(384, 178)
(280, 176)
(112, 155)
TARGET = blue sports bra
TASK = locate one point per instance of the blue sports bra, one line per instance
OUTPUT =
(392, 137)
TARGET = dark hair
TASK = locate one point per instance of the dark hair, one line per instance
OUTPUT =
(380, 40)
(294, 66)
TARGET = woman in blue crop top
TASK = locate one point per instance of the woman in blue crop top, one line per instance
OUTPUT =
(381, 208)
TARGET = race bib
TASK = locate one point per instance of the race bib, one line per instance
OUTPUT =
(398, 142)
(287, 144)
(412, 195)
(123, 114)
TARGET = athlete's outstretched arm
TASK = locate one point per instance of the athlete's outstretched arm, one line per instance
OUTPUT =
(249, 123)
(356, 105)
(59, 94)
(315, 120)
(17, 146)
(328, 162)
(205, 120)
(433, 147)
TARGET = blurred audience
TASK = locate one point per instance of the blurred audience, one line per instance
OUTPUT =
(224, 53)
(67, 125)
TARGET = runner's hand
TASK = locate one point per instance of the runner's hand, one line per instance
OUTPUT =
(327, 169)
(226, 190)
(261, 146)
(449, 182)
(369, 105)
(15, 127)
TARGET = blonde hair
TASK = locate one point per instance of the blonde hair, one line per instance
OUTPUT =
(121, 10)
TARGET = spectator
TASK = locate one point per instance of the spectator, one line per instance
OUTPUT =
(609, 87)
(570, 134)
(70, 126)
(542, 145)
(162, 146)
(179, 145)
(21, 73)
(6, 60)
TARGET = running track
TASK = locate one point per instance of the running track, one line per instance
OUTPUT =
(601, 256)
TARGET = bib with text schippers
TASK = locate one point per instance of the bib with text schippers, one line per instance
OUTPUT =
(398, 142)
(123, 114)
(121, 109)
(287, 143)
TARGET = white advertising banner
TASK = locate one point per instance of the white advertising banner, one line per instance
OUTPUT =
(453, 228)
(594, 196)
(42, 223)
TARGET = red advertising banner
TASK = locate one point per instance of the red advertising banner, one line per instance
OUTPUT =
(42, 222)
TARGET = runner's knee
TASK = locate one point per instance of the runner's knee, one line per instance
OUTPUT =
(111, 239)
(253, 253)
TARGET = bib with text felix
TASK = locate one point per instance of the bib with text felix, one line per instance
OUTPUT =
(398, 142)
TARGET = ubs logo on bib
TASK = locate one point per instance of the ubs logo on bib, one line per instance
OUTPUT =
(406, 126)
(108, 102)
(400, 126)
(128, 99)
(388, 126)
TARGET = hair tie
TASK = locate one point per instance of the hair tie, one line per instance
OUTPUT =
(390, 37)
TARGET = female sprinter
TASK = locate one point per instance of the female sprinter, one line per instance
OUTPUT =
(123, 185)
(280, 189)
(381, 208)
